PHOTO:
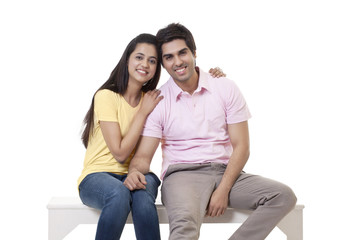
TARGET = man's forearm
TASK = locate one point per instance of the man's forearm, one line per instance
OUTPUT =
(234, 168)
(220, 197)
(144, 154)
(139, 164)
(239, 137)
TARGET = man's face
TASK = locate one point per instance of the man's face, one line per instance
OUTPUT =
(178, 60)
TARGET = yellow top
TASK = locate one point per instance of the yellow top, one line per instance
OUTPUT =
(112, 107)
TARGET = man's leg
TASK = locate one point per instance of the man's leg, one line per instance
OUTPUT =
(185, 193)
(270, 200)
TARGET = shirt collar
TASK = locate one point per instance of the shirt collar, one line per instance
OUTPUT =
(203, 84)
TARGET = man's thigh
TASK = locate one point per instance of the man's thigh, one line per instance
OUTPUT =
(187, 188)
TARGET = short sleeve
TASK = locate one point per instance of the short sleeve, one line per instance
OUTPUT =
(235, 104)
(106, 106)
(154, 125)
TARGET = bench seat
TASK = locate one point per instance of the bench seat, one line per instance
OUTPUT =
(66, 213)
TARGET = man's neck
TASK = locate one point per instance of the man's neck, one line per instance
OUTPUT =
(191, 84)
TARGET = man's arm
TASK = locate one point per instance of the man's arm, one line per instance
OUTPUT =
(140, 164)
(239, 137)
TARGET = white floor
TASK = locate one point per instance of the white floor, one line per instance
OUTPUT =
(208, 232)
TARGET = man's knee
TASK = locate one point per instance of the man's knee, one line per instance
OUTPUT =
(288, 197)
(184, 225)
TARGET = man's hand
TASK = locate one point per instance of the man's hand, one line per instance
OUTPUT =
(135, 180)
(217, 72)
(218, 203)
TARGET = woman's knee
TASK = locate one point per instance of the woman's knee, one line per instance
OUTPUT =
(152, 185)
(119, 193)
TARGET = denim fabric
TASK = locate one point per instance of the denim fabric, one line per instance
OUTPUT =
(106, 191)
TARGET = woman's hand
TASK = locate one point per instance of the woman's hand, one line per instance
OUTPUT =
(151, 99)
(217, 72)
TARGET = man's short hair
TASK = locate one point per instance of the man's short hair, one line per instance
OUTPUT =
(175, 31)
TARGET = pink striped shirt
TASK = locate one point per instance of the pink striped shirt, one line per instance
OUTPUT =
(193, 128)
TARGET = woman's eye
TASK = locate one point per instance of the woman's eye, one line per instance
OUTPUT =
(138, 57)
(152, 61)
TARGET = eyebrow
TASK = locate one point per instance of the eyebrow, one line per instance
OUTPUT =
(144, 55)
(170, 54)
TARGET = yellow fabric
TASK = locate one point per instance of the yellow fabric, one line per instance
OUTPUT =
(112, 107)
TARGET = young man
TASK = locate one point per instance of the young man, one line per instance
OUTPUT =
(202, 125)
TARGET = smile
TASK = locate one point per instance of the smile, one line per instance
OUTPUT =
(142, 71)
(180, 70)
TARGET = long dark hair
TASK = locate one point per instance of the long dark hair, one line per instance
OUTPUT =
(119, 78)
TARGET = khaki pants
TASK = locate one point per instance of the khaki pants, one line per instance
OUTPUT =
(187, 189)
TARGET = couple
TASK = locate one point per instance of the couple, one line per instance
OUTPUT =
(202, 125)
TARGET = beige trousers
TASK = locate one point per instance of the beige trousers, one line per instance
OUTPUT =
(187, 188)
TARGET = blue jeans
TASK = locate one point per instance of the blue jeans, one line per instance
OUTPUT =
(106, 191)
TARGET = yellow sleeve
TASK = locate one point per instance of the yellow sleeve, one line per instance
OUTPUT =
(106, 106)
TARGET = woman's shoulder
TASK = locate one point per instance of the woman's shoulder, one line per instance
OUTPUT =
(106, 93)
(106, 96)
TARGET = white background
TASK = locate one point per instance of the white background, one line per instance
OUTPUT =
(296, 62)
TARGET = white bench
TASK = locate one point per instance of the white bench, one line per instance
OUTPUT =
(66, 213)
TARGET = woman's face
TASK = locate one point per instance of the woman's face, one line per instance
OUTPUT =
(142, 63)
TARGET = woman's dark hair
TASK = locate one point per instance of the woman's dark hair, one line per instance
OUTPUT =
(119, 78)
(175, 31)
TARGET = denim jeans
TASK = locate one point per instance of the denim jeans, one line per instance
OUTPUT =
(106, 191)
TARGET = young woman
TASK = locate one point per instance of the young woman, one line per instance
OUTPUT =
(113, 126)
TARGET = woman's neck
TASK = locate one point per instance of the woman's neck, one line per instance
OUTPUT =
(132, 95)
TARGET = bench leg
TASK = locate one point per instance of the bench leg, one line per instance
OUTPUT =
(60, 224)
(292, 225)
(63, 221)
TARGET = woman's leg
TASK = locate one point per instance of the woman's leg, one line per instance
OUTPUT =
(145, 218)
(105, 191)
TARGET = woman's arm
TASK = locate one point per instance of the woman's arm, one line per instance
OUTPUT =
(119, 147)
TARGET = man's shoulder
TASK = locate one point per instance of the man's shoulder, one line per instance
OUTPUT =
(167, 90)
(222, 84)
(217, 83)
(166, 85)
